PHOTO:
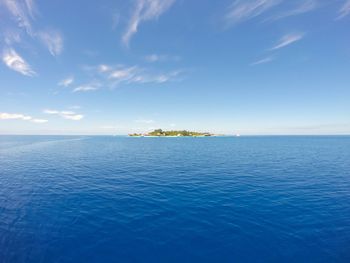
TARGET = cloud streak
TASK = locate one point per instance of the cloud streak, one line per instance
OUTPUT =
(53, 40)
(68, 115)
(287, 40)
(11, 36)
(160, 58)
(15, 62)
(344, 10)
(121, 74)
(22, 12)
(262, 61)
(87, 87)
(19, 116)
(305, 7)
(145, 10)
(31, 7)
(243, 10)
(66, 82)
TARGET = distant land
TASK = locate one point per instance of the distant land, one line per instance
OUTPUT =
(161, 133)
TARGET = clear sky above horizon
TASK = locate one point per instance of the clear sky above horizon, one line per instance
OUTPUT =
(229, 66)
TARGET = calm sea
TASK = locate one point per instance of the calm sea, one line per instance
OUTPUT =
(120, 199)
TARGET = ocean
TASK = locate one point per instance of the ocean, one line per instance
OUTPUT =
(216, 199)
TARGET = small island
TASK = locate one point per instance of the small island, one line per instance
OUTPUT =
(161, 133)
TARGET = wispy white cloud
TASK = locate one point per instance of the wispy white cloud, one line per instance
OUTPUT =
(134, 74)
(159, 58)
(304, 7)
(16, 22)
(344, 10)
(15, 62)
(39, 120)
(112, 76)
(11, 36)
(53, 40)
(14, 116)
(51, 111)
(144, 10)
(84, 88)
(123, 73)
(87, 87)
(243, 10)
(69, 115)
(19, 116)
(22, 12)
(104, 68)
(262, 61)
(157, 78)
(288, 39)
(66, 82)
(30, 7)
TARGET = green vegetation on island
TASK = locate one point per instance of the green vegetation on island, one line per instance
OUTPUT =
(160, 132)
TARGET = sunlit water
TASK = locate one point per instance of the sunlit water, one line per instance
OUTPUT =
(119, 199)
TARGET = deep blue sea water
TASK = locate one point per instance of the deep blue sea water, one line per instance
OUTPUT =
(224, 199)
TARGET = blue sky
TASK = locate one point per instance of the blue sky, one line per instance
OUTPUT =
(229, 66)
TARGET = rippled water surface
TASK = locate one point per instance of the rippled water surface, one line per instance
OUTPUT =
(119, 199)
